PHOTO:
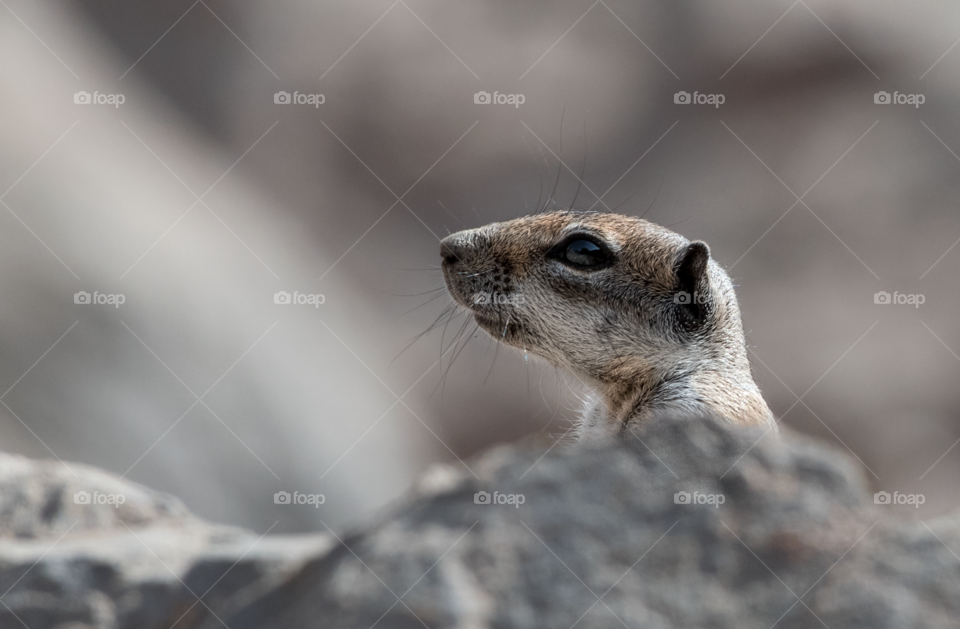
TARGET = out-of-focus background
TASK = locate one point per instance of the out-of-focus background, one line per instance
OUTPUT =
(204, 193)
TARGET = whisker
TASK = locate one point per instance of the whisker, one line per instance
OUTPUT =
(655, 197)
(450, 213)
(431, 300)
(426, 292)
(496, 352)
(583, 169)
(553, 193)
(539, 174)
(456, 352)
(443, 318)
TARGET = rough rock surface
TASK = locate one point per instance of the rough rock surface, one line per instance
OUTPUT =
(140, 564)
(599, 541)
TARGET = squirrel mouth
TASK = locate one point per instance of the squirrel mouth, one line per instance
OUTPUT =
(492, 307)
(500, 325)
(489, 318)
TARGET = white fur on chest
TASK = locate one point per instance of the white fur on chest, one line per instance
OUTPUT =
(595, 422)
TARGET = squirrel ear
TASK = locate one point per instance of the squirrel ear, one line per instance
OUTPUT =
(693, 297)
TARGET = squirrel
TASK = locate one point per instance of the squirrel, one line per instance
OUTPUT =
(645, 318)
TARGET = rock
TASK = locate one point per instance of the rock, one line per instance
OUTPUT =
(133, 560)
(693, 523)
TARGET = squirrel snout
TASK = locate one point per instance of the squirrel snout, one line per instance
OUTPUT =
(448, 250)
(456, 248)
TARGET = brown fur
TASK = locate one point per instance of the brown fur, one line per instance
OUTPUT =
(619, 328)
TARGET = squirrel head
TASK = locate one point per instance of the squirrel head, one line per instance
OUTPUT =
(636, 311)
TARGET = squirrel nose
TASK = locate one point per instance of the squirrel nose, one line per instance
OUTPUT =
(454, 248)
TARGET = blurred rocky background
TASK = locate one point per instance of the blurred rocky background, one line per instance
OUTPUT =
(693, 523)
(200, 197)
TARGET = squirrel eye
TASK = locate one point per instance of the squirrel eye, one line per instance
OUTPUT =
(582, 253)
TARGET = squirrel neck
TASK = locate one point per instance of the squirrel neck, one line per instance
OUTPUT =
(616, 407)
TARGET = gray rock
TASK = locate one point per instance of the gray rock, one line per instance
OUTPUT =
(600, 541)
(68, 562)
(778, 532)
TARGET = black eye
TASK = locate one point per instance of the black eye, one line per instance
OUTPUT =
(582, 253)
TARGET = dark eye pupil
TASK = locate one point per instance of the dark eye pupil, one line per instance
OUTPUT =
(584, 253)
